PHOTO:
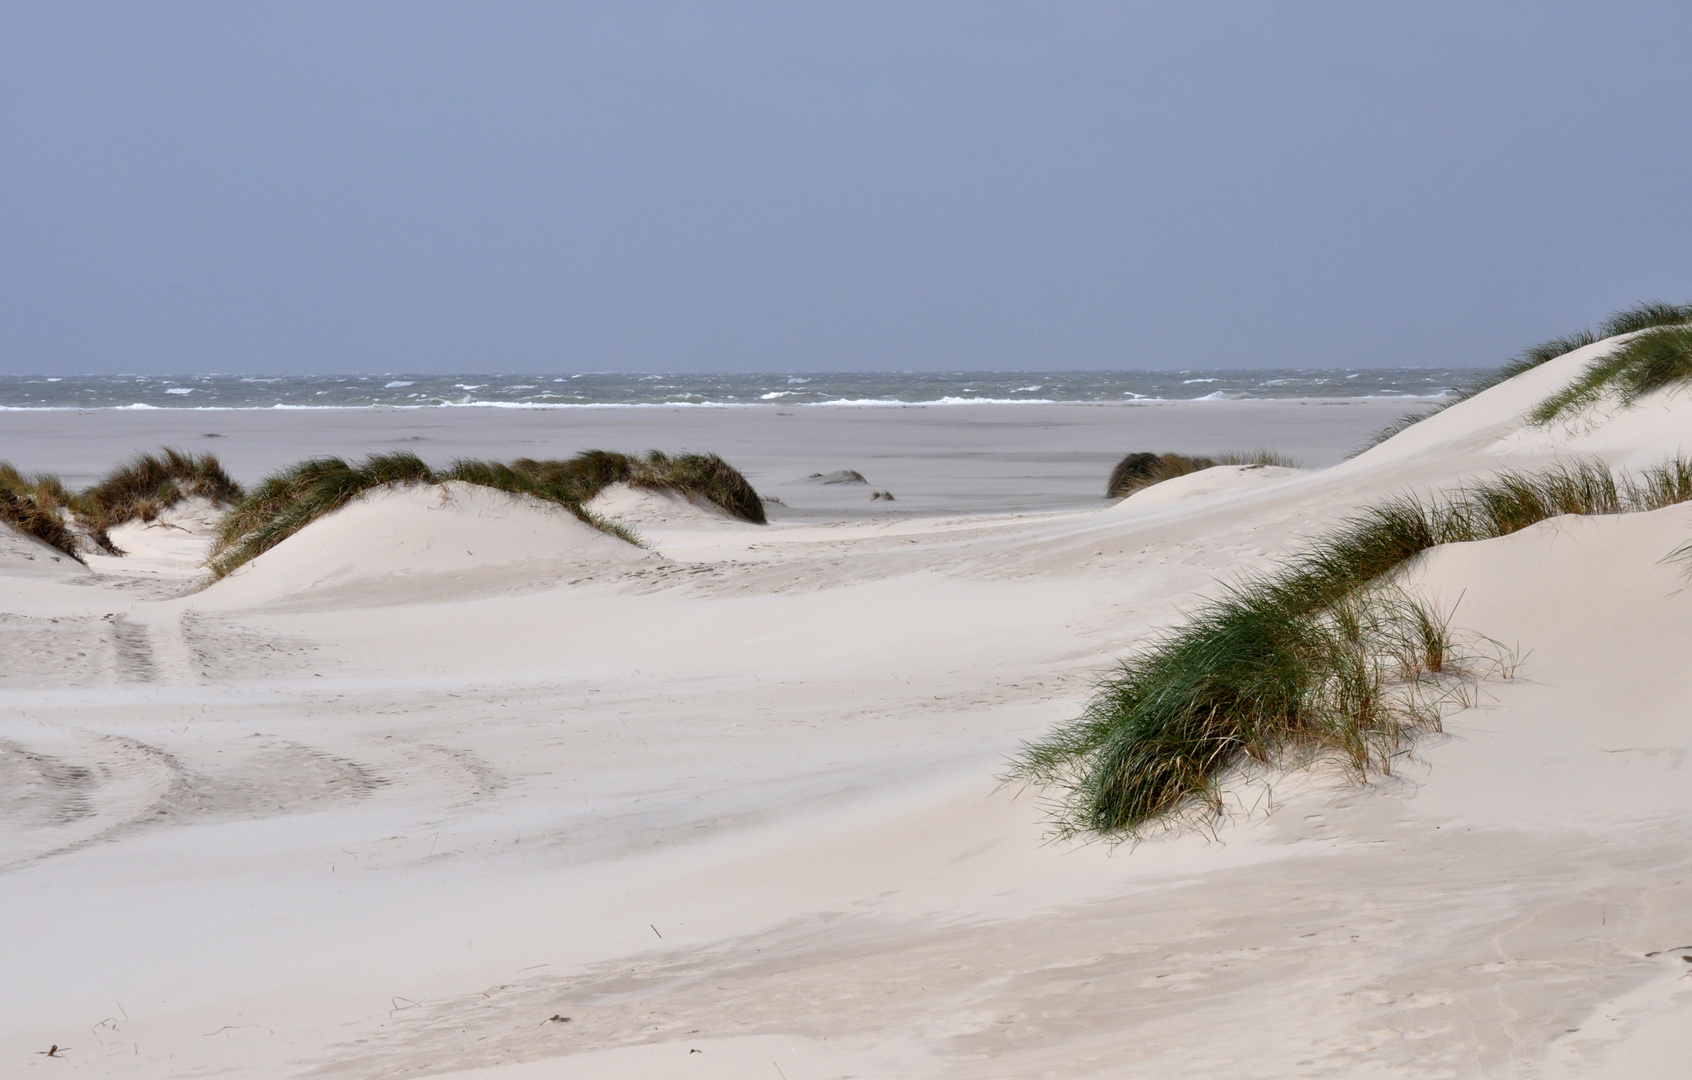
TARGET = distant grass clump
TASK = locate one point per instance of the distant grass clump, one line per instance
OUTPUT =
(1631, 320)
(36, 506)
(706, 476)
(138, 490)
(584, 476)
(290, 500)
(1143, 469)
(1322, 655)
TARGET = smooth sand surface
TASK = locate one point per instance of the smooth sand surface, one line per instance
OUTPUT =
(446, 766)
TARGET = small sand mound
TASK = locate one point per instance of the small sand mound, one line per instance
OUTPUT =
(194, 519)
(424, 543)
(1206, 483)
(640, 508)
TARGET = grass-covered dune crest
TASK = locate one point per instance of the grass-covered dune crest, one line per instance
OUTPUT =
(288, 501)
(1651, 360)
(705, 477)
(148, 484)
(1653, 313)
(398, 545)
(138, 490)
(1322, 655)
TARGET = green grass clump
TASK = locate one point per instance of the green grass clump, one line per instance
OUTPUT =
(137, 490)
(704, 475)
(289, 500)
(1657, 357)
(147, 485)
(1644, 317)
(1141, 470)
(538, 479)
(1630, 320)
(1323, 654)
(36, 506)
(584, 476)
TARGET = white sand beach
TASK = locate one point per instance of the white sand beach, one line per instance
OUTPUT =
(450, 783)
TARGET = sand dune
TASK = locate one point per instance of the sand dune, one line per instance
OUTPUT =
(446, 765)
(424, 543)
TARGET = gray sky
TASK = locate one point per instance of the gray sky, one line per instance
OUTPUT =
(310, 187)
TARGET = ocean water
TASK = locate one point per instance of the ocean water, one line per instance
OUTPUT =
(613, 390)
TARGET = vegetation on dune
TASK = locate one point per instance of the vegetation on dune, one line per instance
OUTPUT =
(137, 490)
(705, 476)
(35, 506)
(148, 484)
(1658, 357)
(1143, 469)
(579, 479)
(1655, 313)
(1323, 655)
(544, 480)
(1644, 317)
(289, 500)
(1527, 360)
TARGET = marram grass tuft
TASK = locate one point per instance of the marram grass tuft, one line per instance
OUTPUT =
(36, 506)
(1324, 654)
(1655, 358)
(140, 489)
(148, 484)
